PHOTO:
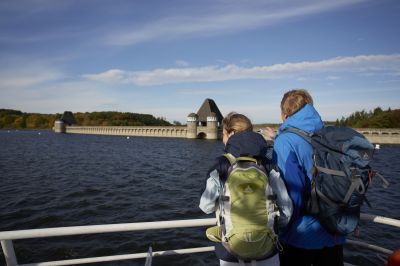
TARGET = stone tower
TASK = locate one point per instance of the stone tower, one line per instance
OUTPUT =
(67, 119)
(206, 123)
(59, 126)
(192, 120)
(212, 126)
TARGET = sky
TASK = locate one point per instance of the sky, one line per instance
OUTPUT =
(166, 57)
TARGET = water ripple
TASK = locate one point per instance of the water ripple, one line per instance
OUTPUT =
(56, 180)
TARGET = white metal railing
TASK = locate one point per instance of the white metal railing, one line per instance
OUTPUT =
(7, 237)
(375, 219)
(380, 219)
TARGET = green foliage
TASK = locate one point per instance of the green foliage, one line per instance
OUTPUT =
(14, 119)
(118, 119)
(377, 118)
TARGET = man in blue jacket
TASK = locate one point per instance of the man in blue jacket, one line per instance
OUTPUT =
(305, 241)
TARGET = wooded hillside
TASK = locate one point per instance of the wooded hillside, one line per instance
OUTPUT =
(14, 119)
(377, 118)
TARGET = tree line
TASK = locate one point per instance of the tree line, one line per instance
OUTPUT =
(118, 119)
(376, 118)
(14, 119)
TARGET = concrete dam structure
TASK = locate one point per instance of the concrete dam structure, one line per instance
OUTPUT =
(378, 136)
(381, 135)
(145, 131)
(205, 124)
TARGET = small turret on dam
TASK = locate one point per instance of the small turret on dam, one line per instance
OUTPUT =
(67, 119)
(192, 123)
(206, 124)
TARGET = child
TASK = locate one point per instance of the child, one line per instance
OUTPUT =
(241, 141)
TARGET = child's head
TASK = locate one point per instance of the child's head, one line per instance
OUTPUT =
(234, 123)
(293, 101)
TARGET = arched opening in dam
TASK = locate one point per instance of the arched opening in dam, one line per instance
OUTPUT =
(201, 135)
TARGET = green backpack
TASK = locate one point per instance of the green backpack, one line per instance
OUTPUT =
(246, 212)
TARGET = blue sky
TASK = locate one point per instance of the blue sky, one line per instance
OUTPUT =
(165, 57)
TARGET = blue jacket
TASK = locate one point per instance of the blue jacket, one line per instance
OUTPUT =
(293, 155)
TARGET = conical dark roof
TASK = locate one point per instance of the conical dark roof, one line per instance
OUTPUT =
(207, 108)
(68, 118)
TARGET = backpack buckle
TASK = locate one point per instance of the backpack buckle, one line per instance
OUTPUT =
(224, 198)
(353, 171)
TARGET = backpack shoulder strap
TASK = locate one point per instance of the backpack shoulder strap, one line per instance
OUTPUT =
(305, 135)
(308, 137)
(232, 159)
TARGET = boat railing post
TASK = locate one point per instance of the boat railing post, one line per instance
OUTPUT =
(9, 254)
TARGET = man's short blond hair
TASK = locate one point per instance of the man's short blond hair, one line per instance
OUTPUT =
(235, 123)
(294, 100)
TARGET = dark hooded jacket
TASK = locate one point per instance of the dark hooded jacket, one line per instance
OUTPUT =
(249, 144)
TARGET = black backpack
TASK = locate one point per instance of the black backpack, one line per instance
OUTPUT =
(341, 176)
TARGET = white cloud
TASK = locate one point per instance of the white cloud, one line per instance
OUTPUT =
(389, 81)
(38, 86)
(181, 63)
(362, 64)
(79, 96)
(109, 76)
(25, 76)
(222, 18)
(206, 92)
(332, 78)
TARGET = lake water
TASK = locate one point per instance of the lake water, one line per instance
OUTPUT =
(53, 180)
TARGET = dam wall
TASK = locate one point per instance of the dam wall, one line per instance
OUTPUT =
(195, 129)
(374, 135)
(173, 132)
(381, 135)
(201, 132)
